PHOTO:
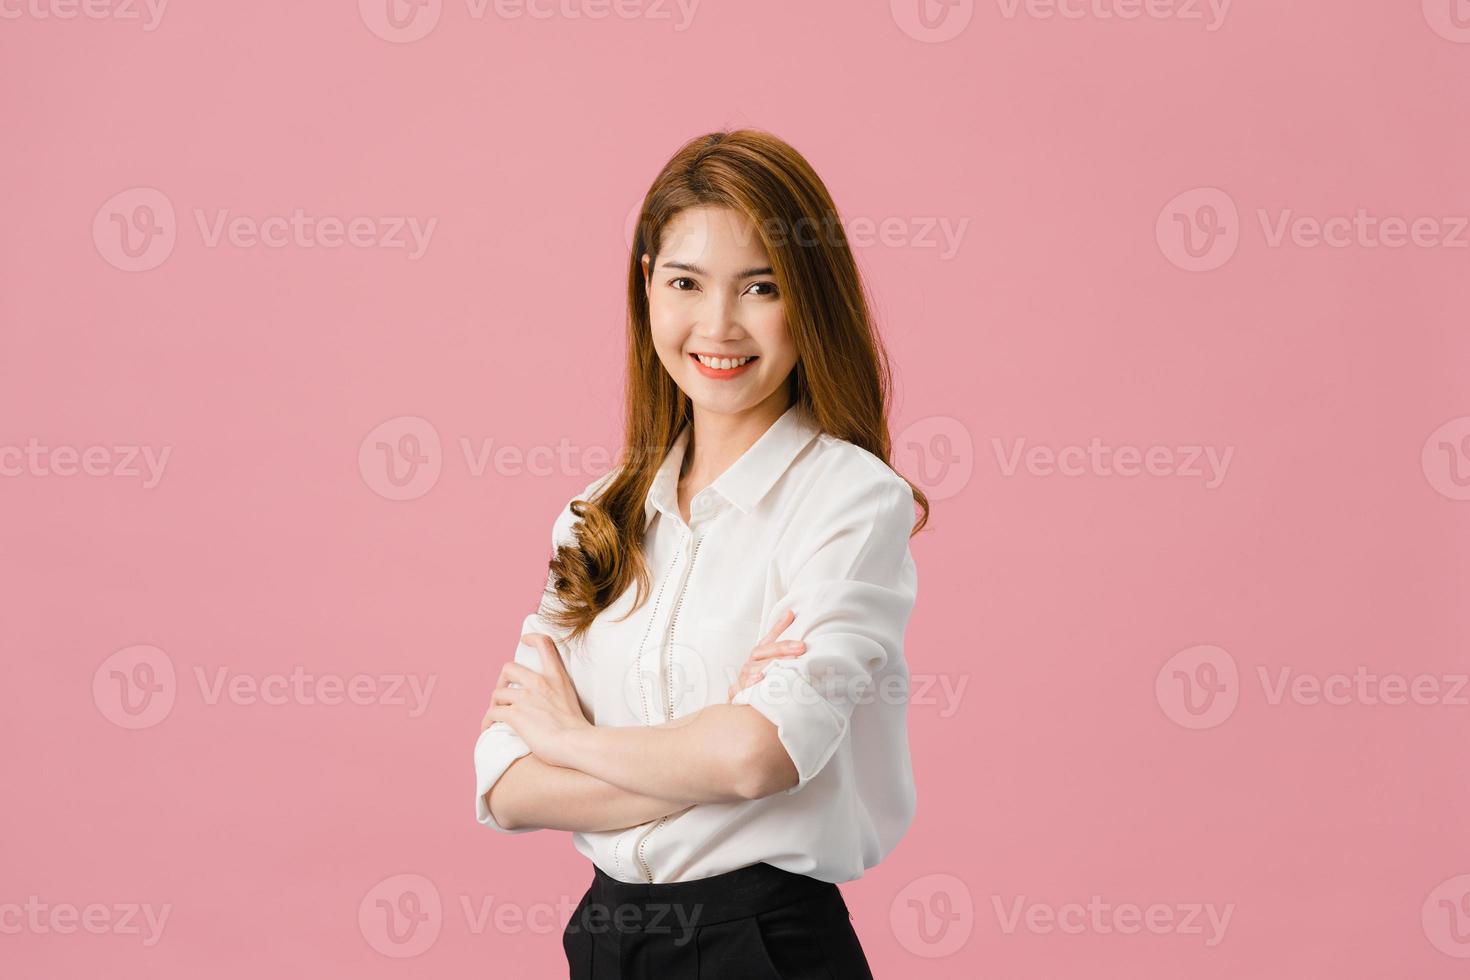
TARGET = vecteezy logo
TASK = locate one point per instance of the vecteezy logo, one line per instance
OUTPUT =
(400, 21)
(1446, 458)
(401, 916)
(940, 454)
(1450, 19)
(401, 458)
(135, 687)
(933, 916)
(669, 680)
(135, 229)
(1199, 229)
(1198, 687)
(630, 225)
(1446, 917)
(932, 21)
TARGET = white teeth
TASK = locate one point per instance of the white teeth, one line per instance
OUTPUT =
(721, 363)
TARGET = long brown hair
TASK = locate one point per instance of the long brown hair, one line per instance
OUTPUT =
(841, 375)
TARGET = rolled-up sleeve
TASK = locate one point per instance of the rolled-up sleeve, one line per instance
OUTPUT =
(853, 591)
(498, 746)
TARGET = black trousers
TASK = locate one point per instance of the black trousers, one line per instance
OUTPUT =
(754, 923)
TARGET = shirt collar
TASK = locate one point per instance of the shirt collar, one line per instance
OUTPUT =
(748, 479)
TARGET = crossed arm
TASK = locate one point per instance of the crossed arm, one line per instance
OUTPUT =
(584, 777)
(607, 778)
(854, 581)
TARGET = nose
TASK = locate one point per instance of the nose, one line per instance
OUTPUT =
(718, 317)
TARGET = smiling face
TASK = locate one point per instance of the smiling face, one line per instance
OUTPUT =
(713, 293)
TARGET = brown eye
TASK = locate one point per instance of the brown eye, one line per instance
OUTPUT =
(682, 279)
(769, 285)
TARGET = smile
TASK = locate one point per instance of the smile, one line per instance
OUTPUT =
(722, 367)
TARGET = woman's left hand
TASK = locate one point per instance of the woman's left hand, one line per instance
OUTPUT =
(543, 708)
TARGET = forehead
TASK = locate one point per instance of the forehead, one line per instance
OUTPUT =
(712, 237)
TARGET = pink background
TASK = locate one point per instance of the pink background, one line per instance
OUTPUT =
(1078, 761)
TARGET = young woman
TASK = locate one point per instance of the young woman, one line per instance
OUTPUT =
(712, 696)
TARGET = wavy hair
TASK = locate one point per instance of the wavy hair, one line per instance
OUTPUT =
(841, 376)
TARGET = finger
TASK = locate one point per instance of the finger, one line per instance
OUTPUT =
(522, 675)
(748, 676)
(753, 679)
(751, 674)
(508, 675)
(499, 683)
(785, 648)
(781, 624)
(551, 662)
(507, 695)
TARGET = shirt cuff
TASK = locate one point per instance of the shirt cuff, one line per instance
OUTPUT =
(809, 727)
(497, 747)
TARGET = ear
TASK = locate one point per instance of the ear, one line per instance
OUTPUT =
(647, 279)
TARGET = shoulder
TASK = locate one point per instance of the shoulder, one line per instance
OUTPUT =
(839, 465)
(852, 517)
(846, 479)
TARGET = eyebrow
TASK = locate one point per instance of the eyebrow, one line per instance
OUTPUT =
(743, 274)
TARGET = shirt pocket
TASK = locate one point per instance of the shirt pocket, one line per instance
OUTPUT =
(724, 645)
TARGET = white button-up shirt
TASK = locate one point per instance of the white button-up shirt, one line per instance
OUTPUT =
(804, 521)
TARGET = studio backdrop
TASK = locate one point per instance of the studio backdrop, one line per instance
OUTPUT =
(313, 317)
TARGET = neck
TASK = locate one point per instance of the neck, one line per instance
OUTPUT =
(718, 439)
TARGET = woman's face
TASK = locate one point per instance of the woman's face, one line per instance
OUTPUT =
(713, 293)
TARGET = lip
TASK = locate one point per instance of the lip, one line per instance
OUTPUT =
(710, 372)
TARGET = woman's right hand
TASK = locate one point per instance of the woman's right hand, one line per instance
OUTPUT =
(761, 657)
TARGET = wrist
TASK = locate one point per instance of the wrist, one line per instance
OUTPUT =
(575, 745)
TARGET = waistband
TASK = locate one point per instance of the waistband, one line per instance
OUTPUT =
(736, 894)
